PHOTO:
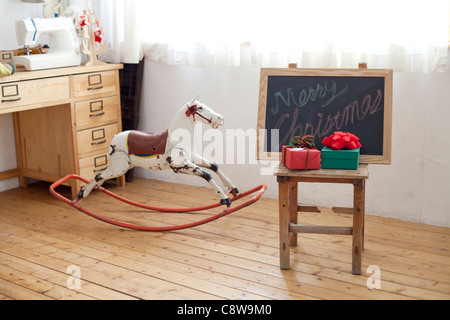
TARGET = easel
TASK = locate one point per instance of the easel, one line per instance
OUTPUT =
(288, 206)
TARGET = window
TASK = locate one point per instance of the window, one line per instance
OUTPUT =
(405, 35)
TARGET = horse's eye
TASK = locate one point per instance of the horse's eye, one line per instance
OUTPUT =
(200, 108)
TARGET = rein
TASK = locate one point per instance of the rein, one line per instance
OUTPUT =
(193, 110)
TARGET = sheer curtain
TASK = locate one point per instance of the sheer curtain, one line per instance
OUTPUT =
(195, 33)
(119, 19)
(405, 35)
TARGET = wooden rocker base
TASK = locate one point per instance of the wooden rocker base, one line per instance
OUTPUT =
(74, 203)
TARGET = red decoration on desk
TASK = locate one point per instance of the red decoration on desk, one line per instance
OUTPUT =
(92, 43)
(342, 140)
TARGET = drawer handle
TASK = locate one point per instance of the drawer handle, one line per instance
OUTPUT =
(11, 100)
(96, 88)
(99, 170)
(96, 143)
(97, 114)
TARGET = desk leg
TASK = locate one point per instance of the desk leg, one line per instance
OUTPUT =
(121, 181)
(283, 202)
(75, 186)
(358, 225)
(23, 181)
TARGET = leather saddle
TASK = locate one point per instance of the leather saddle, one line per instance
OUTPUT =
(142, 143)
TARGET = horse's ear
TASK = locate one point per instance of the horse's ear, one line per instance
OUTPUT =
(195, 100)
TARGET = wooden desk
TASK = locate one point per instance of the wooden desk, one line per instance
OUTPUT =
(288, 208)
(64, 120)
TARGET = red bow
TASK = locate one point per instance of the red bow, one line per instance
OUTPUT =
(192, 110)
(342, 140)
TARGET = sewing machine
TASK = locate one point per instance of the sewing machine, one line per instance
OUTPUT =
(64, 48)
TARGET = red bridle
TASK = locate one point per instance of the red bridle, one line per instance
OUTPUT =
(193, 110)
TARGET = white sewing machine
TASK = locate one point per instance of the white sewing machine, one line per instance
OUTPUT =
(64, 48)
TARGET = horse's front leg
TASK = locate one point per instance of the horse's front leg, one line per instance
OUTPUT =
(119, 164)
(205, 163)
(188, 167)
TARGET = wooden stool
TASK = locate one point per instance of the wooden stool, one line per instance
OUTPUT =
(288, 208)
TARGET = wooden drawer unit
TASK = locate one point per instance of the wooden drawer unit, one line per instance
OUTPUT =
(94, 83)
(64, 120)
(96, 139)
(91, 113)
(32, 92)
(93, 165)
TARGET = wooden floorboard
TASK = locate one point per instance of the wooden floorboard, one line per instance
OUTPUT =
(236, 257)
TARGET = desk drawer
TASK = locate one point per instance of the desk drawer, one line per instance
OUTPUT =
(94, 83)
(16, 94)
(96, 139)
(90, 113)
(93, 165)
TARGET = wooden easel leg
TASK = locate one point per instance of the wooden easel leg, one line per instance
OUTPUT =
(293, 211)
(283, 202)
(358, 225)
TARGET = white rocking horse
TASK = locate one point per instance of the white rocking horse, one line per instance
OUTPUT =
(156, 151)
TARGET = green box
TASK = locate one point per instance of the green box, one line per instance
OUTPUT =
(340, 159)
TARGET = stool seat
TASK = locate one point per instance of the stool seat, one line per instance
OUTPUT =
(288, 208)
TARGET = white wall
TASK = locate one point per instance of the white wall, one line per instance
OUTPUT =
(11, 10)
(415, 187)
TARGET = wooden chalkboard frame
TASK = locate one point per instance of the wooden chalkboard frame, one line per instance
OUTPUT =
(387, 74)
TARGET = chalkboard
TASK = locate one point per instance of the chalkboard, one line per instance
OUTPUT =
(318, 102)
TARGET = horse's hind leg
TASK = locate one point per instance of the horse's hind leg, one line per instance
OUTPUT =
(119, 164)
(205, 163)
(189, 168)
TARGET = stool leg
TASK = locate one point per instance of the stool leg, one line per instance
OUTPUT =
(363, 210)
(358, 225)
(283, 202)
(293, 211)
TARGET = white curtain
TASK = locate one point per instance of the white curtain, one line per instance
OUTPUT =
(195, 33)
(404, 35)
(119, 19)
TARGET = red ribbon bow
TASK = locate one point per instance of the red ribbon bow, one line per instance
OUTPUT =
(342, 140)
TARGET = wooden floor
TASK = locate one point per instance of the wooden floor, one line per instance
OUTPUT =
(45, 244)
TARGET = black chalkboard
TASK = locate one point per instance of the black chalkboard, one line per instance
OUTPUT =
(319, 102)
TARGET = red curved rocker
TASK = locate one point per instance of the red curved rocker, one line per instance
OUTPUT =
(74, 203)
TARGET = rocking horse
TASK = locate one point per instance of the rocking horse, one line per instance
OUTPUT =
(129, 149)
(157, 151)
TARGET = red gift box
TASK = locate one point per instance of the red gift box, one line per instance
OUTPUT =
(300, 158)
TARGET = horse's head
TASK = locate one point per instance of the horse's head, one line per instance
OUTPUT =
(201, 111)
